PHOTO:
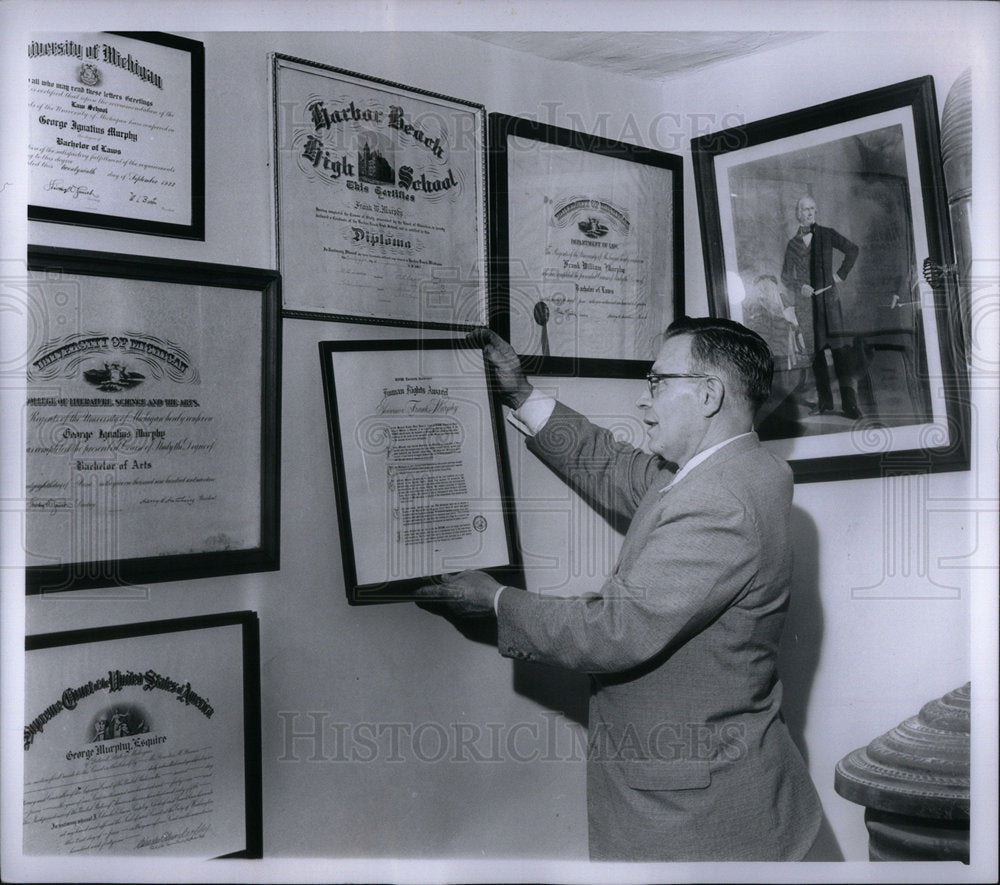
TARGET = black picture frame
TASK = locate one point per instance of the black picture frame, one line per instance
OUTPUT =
(56, 270)
(888, 333)
(250, 662)
(468, 369)
(363, 234)
(517, 284)
(192, 228)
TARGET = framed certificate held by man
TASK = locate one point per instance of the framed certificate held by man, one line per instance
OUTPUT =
(419, 465)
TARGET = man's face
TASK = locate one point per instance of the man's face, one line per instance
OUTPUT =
(806, 212)
(673, 417)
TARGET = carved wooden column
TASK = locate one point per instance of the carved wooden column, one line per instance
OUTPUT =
(914, 784)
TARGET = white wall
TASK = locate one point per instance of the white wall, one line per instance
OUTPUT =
(854, 668)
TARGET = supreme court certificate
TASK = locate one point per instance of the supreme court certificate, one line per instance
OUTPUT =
(135, 740)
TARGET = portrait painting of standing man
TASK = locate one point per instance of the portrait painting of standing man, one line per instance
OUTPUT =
(827, 272)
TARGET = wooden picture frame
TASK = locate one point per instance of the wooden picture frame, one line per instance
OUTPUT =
(152, 424)
(380, 199)
(870, 378)
(178, 702)
(419, 464)
(117, 132)
(587, 248)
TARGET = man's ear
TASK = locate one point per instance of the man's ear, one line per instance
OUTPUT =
(713, 393)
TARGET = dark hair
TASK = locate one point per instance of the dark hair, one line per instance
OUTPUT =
(730, 348)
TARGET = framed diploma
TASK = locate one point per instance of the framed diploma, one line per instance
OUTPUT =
(151, 420)
(586, 238)
(117, 132)
(380, 197)
(144, 740)
(820, 227)
(419, 465)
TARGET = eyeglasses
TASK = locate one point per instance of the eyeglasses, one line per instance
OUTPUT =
(653, 379)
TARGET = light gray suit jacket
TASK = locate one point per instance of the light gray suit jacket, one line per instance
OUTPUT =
(688, 756)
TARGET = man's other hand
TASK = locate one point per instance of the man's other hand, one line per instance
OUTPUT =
(511, 380)
(469, 594)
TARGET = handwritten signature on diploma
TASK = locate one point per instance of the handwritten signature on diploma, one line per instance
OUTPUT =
(77, 190)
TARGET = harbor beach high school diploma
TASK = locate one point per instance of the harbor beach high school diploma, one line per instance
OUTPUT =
(380, 199)
(144, 739)
(117, 132)
(418, 464)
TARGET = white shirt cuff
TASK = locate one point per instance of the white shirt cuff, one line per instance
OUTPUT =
(496, 598)
(533, 414)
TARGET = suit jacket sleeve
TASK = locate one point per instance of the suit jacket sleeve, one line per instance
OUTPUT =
(611, 474)
(849, 250)
(788, 279)
(699, 556)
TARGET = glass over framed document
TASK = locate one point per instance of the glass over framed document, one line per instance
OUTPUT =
(380, 197)
(419, 464)
(117, 131)
(587, 244)
(144, 739)
(151, 421)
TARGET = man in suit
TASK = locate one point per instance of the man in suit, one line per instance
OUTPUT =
(809, 277)
(688, 755)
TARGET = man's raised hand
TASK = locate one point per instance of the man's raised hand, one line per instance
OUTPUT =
(501, 357)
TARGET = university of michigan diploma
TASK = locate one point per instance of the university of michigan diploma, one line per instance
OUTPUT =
(591, 254)
(144, 417)
(115, 134)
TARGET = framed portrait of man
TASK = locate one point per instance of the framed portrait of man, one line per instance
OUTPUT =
(819, 229)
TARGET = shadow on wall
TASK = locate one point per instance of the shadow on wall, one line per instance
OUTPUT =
(565, 692)
(798, 656)
(800, 643)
